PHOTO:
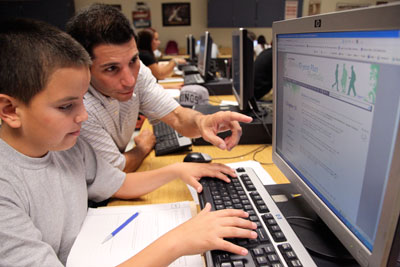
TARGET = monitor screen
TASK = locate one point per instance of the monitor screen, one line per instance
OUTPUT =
(336, 122)
(203, 61)
(242, 69)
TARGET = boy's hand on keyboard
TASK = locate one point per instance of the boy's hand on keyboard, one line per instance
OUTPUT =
(206, 231)
(222, 121)
(191, 173)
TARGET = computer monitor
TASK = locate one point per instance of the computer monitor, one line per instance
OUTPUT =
(204, 58)
(190, 47)
(243, 70)
(336, 123)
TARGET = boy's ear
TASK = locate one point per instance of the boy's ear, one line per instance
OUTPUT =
(8, 114)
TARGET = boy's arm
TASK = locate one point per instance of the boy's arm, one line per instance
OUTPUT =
(140, 183)
(201, 233)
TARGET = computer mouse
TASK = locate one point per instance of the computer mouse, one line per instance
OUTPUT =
(197, 157)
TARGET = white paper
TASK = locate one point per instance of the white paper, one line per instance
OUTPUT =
(152, 222)
(171, 80)
(228, 103)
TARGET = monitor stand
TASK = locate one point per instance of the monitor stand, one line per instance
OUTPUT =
(323, 246)
(219, 86)
(259, 131)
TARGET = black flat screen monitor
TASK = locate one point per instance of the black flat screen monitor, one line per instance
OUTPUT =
(336, 123)
(242, 70)
(203, 61)
(190, 47)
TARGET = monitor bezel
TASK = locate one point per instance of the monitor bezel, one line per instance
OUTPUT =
(190, 46)
(246, 70)
(206, 57)
(361, 19)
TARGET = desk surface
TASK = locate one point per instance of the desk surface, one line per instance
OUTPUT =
(177, 190)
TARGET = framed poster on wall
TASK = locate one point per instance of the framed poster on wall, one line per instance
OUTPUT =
(176, 14)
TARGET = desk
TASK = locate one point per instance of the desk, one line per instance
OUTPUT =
(177, 190)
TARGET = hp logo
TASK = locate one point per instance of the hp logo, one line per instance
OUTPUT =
(317, 23)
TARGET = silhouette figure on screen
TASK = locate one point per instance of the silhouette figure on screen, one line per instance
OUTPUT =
(344, 78)
(352, 81)
(336, 78)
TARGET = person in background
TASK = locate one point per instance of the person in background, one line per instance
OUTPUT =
(214, 49)
(147, 43)
(121, 86)
(48, 172)
(261, 45)
(263, 73)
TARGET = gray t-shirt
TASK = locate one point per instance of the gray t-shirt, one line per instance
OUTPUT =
(111, 123)
(43, 201)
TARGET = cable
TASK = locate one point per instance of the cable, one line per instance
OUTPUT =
(258, 151)
(260, 118)
(234, 157)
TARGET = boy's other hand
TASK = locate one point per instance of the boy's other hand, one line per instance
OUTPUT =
(207, 231)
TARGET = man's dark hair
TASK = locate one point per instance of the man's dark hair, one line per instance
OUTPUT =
(100, 24)
(145, 37)
(30, 52)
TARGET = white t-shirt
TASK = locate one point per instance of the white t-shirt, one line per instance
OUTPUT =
(44, 201)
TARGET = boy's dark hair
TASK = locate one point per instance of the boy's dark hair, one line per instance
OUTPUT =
(145, 37)
(100, 24)
(30, 52)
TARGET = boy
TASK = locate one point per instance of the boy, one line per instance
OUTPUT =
(48, 173)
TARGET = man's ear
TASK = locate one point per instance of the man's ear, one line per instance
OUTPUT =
(8, 111)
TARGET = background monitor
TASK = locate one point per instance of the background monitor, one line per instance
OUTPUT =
(190, 47)
(242, 69)
(204, 58)
(336, 123)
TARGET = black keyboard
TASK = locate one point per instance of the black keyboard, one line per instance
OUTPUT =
(276, 245)
(193, 79)
(168, 140)
(190, 69)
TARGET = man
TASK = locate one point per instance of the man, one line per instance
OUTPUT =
(121, 86)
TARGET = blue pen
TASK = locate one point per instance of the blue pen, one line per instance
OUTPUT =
(120, 227)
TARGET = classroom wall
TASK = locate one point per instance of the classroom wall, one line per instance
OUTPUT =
(221, 36)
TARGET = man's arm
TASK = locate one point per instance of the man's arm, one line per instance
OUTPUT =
(192, 124)
(144, 143)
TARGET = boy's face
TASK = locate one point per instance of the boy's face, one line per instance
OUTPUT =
(115, 69)
(52, 120)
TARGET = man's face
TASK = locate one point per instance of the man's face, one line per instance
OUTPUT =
(115, 69)
(53, 118)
